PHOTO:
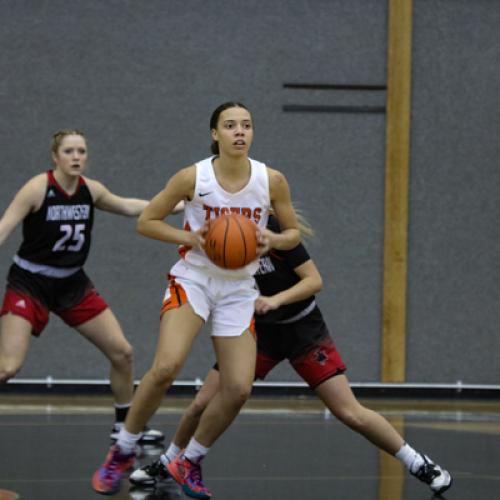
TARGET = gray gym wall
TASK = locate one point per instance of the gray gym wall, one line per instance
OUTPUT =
(141, 78)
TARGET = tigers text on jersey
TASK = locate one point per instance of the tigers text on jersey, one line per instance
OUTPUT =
(59, 233)
(210, 201)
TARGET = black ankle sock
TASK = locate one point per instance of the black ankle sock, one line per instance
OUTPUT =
(121, 413)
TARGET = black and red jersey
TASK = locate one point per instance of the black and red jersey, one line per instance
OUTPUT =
(276, 273)
(59, 233)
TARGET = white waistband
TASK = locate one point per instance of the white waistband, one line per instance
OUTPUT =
(49, 271)
(300, 315)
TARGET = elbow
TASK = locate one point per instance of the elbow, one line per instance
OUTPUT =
(297, 237)
(318, 285)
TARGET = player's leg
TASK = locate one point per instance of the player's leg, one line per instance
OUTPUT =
(149, 474)
(339, 399)
(192, 415)
(322, 367)
(105, 333)
(236, 359)
(21, 317)
(78, 304)
(235, 348)
(178, 329)
(315, 358)
(15, 336)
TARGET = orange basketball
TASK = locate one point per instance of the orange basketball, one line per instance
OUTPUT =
(231, 241)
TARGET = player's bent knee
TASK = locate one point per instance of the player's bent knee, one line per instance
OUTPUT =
(237, 394)
(124, 358)
(196, 408)
(163, 374)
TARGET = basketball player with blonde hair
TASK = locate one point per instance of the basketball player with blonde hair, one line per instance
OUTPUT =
(57, 212)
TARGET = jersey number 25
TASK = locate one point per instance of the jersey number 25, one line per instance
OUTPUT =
(72, 239)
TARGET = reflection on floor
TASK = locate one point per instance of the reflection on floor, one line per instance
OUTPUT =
(276, 449)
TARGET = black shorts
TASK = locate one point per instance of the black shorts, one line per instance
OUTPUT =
(32, 296)
(307, 345)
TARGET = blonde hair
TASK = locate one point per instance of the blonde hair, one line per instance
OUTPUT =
(305, 228)
(58, 137)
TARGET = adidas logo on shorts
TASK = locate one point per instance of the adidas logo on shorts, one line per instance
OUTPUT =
(21, 303)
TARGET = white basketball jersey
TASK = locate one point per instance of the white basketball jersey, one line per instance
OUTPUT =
(210, 201)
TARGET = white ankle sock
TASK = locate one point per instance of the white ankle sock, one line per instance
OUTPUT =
(195, 451)
(127, 441)
(172, 451)
(409, 457)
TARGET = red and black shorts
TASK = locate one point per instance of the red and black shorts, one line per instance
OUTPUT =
(32, 296)
(307, 345)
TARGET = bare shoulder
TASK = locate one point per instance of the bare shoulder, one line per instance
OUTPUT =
(96, 187)
(187, 174)
(38, 181)
(277, 180)
(32, 193)
(91, 182)
(184, 179)
(35, 187)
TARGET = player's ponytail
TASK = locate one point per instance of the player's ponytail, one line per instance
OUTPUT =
(305, 228)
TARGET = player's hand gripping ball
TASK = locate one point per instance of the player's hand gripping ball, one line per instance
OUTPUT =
(231, 241)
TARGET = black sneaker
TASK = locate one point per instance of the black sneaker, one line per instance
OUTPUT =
(432, 474)
(147, 435)
(149, 474)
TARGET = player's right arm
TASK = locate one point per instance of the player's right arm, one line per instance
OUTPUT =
(151, 221)
(310, 283)
(28, 199)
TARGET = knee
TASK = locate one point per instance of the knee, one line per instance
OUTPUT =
(236, 393)
(162, 374)
(123, 358)
(353, 417)
(196, 408)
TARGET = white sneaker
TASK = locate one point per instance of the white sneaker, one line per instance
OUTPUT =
(438, 479)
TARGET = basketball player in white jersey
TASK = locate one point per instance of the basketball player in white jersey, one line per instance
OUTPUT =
(228, 181)
(57, 211)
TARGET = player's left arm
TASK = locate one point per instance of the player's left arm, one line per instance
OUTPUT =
(105, 200)
(283, 209)
(310, 283)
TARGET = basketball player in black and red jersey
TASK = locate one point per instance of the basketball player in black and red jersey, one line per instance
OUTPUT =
(57, 211)
(290, 325)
